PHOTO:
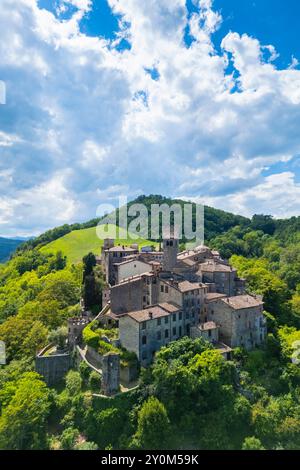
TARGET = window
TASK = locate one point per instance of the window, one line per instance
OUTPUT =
(187, 315)
(180, 315)
(166, 333)
(144, 339)
(144, 298)
(174, 331)
(180, 331)
(158, 336)
(158, 321)
(143, 325)
(174, 316)
(161, 288)
(209, 333)
(166, 319)
(166, 289)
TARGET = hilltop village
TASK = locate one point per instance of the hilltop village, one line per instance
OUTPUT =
(150, 299)
(155, 297)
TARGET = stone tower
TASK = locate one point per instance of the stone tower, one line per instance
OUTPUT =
(110, 374)
(170, 249)
(75, 327)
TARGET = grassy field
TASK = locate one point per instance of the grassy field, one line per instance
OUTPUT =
(78, 243)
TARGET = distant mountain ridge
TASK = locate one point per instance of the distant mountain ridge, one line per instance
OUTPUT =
(8, 247)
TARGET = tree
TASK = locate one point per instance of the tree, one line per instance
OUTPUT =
(252, 443)
(69, 437)
(264, 223)
(94, 381)
(153, 425)
(59, 337)
(22, 337)
(89, 262)
(22, 423)
(73, 382)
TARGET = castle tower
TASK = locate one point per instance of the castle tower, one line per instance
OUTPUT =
(170, 249)
(75, 327)
(110, 374)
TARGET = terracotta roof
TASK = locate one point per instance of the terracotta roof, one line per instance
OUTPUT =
(215, 267)
(170, 306)
(210, 325)
(210, 296)
(242, 301)
(132, 260)
(122, 249)
(187, 286)
(188, 261)
(152, 313)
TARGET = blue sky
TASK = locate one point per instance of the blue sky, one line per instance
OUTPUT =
(197, 99)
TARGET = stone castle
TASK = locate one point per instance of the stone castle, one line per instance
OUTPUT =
(155, 297)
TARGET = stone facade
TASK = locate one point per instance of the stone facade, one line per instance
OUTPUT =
(145, 332)
(241, 321)
(223, 276)
(134, 294)
(110, 383)
(170, 249)
(130, 268)
(208, 331)
(52, 364)
(76, 326)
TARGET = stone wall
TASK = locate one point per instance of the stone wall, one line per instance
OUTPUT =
(127, 297)
(52, 367)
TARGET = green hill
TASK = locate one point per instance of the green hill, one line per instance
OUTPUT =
(78, 243)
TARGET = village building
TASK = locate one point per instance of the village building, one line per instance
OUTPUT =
(241, 320)
(145, 331)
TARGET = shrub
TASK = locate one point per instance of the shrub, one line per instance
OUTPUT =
(94, 381)
(90, 337)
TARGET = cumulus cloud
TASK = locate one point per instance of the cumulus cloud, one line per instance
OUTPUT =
(85, 119)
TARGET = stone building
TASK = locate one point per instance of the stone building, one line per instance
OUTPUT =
(130, 268)
(208, 331)
(241, 320)
(135, 293)
(190, 296)
(111, 255)
(223, 276)
(144, 332)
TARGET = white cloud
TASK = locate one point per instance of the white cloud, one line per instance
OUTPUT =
(84, 120)
(279, 191)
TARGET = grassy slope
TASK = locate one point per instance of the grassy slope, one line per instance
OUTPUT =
(78, 243)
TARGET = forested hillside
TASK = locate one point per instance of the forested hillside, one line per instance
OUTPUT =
(190, 397)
